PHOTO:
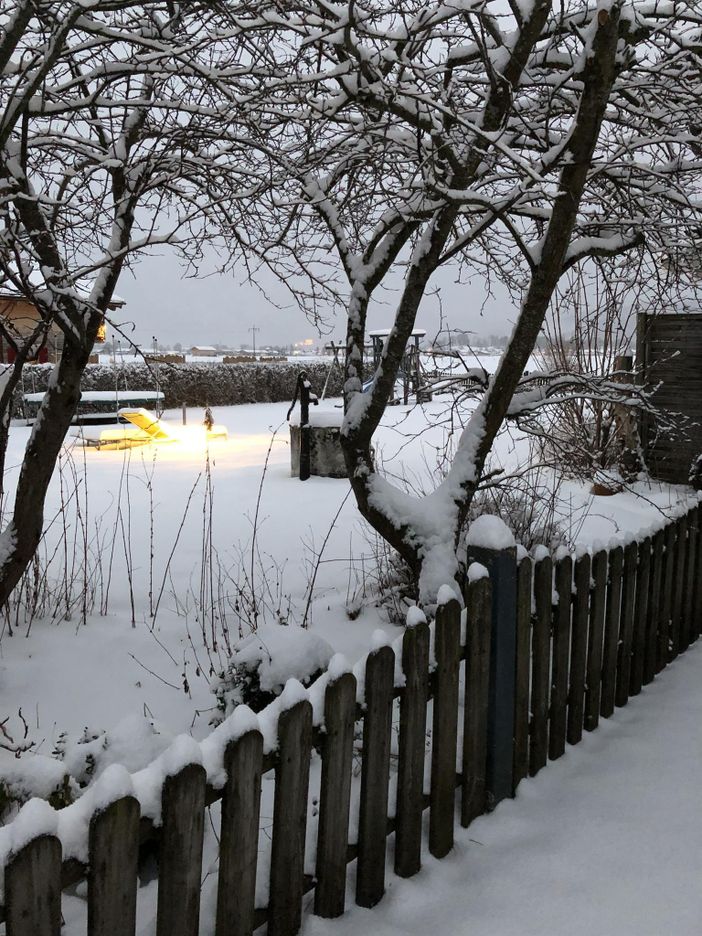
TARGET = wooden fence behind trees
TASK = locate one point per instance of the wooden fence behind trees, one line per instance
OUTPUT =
(669, 358)
(589, 631)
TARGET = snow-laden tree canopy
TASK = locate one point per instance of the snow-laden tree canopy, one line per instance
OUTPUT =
(344, 145)
(513, 140)
(119, 128)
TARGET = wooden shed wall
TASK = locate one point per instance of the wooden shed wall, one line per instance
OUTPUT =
(669, 354)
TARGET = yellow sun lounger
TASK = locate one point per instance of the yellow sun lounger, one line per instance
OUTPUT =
(144, 427)
(156, 430)
(115, 437)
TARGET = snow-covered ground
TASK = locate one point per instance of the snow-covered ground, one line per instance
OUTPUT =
(197, 533)
(182, 541)
(605, 841)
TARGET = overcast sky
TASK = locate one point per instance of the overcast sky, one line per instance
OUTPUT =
(220, 310)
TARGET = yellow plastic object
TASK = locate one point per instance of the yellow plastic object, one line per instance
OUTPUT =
(118, 437)
(148, 423)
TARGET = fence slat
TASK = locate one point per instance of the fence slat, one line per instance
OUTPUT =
(444, 729)
(180, 858)
(238, 843)
(697, 600)
(638, 647)
(412, 746)
(290, 820)
(596, 620)
(653, 616)
(680, 561)
(561, 650)
(541, 665)
(626, 624)
(521, 679)
(335, 796)
(578, 650)
(33, 889)
(611, 631)
(475, 709)
(686, 637)
(375, 775)
(666, 606)
(112, 878)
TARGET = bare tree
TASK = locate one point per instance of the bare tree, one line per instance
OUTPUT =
(118, 133)
(514, 140)
(372, 143)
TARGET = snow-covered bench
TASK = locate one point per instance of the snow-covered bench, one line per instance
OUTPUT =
(100, 407)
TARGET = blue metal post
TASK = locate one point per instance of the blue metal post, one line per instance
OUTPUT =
(502, 566)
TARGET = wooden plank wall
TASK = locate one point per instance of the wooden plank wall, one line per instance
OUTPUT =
(669, 357)
(590, 634)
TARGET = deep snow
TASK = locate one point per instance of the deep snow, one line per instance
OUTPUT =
(136, 687)
(605, 841)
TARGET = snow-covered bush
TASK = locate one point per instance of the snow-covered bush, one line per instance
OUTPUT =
(262, 662)
(33, 775)
(696, 473)
(387, 582)
(197, 384)
(133, 742)
(531, 507)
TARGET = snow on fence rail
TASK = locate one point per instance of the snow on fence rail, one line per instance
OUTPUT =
(590, 633)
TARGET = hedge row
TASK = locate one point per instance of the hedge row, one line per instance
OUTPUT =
(199, 384)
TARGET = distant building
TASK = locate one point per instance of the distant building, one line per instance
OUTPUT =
(203, 351)
(19, 317)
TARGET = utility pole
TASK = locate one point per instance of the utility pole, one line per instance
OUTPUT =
(253, 331)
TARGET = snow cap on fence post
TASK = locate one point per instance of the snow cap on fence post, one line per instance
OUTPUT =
(35, 818)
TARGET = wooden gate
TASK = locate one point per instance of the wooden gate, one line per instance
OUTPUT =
(669, 357)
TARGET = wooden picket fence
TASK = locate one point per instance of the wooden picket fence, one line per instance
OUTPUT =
(620, 617)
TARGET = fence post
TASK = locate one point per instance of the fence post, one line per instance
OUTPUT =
(412, 740)
(596, 622)
(541, 664)
(502, 568)
(112, 880)
(445, 728)
(375, 777)
(33, 889)
(666, 608)
(557, 728)
(693, 545)
(290, 820)
(478, 597)
(626, 625)
(522, 673)
(653, 616)
(643, 588)
(697, 599)
(610, 650)
(578, 649)
(679, 563)
(335, 795)
(180, 860)
(238, 843)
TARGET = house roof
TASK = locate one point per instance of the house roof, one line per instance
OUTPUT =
(83, 286)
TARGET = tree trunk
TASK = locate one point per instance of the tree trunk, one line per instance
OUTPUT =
(414, 537)
(21, 537)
